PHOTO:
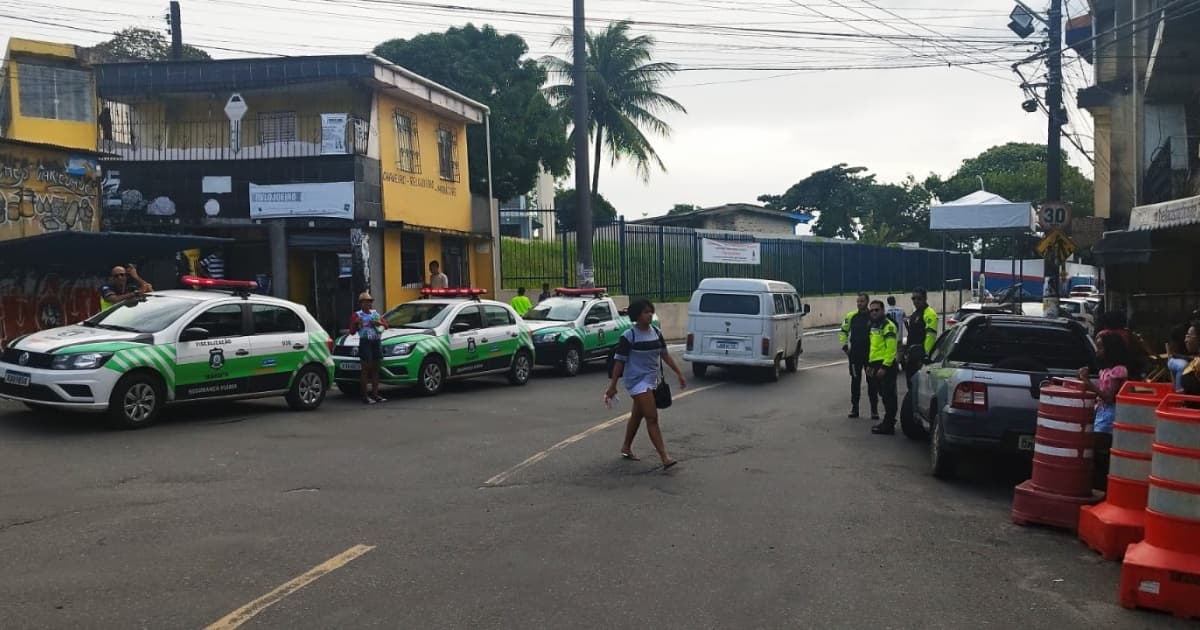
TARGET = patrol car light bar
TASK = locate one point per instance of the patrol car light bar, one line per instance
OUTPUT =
(463, 292)
(575, 292)
(219, 284)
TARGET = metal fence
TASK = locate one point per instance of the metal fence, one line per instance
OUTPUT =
(665, 263)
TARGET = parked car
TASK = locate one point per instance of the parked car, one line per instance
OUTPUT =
(1084, 290)
(1081, 310)
(1032, 309)
(979, 389)
(744, 322)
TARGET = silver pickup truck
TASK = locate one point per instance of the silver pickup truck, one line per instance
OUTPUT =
(979, 387)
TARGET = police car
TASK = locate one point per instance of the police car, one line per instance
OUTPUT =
(173, 346)
(448, 334)
(576, 326)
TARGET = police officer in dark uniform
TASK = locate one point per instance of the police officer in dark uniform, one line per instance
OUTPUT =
(856, 343)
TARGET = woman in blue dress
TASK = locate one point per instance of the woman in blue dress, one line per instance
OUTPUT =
(636, 362)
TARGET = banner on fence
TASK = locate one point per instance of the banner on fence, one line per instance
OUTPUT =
(730, 252)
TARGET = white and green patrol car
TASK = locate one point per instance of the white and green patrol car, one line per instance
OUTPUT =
(435, 339)
(576, 326)
(172, 346)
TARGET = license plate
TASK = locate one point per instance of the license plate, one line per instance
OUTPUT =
(16, 378)
(351, 366)
(1025, 442)
(728, 345)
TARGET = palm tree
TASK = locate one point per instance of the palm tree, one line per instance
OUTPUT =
(623, 96)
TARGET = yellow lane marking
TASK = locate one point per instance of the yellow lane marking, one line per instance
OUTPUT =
(247, 612)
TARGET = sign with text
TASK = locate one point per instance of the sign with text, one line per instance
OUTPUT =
(333, 134)
(730, 252)
(1166, 214)
(329, 200)
(1054, 215)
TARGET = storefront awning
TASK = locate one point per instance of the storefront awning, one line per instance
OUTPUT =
(1124, 247)
(98, 250)
(1173, 213)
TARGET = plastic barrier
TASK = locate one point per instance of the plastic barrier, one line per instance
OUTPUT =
(1163, 571)
(1062, 458)
(1118, 522)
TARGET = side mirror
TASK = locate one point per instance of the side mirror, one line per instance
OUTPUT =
(806, 310)
(460, 327)
(194, 334)
(591, 320)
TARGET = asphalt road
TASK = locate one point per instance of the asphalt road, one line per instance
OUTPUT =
(782, 513)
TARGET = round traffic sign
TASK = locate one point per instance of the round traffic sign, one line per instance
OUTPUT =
(1054, 214)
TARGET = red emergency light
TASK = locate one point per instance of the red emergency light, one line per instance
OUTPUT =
(461, 292)
(213, 283)
(581, 292)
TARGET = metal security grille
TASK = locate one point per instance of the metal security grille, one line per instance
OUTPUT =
(447, 154)
(274, 127)
(55, 93)
(408, 147)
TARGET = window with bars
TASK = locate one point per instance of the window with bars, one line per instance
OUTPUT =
(275, 127)
(447, 153)
(55, 93)
(412, 259)
(408, 149)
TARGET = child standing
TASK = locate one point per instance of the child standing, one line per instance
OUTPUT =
(1112, 355)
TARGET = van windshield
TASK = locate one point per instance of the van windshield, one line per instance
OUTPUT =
(730, 304)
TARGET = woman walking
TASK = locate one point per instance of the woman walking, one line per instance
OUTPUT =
(640, 352)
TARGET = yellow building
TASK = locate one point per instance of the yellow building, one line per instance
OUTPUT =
(334, 174)
(48, 96)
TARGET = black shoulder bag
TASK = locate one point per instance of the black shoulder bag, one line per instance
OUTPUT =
(662, 392)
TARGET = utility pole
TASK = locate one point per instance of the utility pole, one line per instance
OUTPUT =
(1053, 145)
(584, 272)
(176, 32)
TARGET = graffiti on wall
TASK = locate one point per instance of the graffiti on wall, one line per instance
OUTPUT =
(43, 191)
(33, 301)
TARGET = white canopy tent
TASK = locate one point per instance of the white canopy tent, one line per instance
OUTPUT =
(983, 214)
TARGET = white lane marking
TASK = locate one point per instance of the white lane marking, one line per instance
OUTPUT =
(500, 478)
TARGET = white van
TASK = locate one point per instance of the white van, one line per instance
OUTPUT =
(745, 322)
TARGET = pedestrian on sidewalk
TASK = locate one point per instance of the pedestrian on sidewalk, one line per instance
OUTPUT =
(520, 302)
(881, 368)
(638, 361)
(855, 338)
(369, 326)
(545, 294)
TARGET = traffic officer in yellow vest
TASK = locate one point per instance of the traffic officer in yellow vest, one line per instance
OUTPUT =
(922, 328)
(124, 284)
(881, 366)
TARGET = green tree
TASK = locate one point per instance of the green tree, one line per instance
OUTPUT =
(567, 211)
(480, 63)
(623, 96)
(904, 209)
(140, 44)
(1017, 172)
(681, 208)
(839, 193)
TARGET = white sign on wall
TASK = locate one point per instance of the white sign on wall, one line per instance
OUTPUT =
(730, 252)
(333, 134)
(332, 200)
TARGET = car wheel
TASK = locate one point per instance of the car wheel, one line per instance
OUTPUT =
(572, 360)
(772, 372)
(793, 362)
(349, 389)
(522, 367)
(908, 422)
(941, 462)
(308, 390)
(136, 401)
(431, 376)
(699, 369)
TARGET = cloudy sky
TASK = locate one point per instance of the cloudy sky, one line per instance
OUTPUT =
(775, 89)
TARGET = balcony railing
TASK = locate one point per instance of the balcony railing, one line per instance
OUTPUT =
(276, 136)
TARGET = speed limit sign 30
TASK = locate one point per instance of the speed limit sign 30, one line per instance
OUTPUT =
(1054, 215)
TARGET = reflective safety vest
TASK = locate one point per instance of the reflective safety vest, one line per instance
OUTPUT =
(883, 343)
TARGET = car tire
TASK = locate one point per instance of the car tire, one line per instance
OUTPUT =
(941, 461)
(431, 376)
(908, 421)
(793, 362)
(699, 369)
(136, 401)
(522, 368)
(350, 390)
(772, 373)
(572, 360)
(308, 389)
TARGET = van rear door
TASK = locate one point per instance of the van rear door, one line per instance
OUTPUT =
(729, 323)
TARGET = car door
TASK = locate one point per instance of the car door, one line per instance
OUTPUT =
(500, 336)
(599, 330)
(792, 302)
(466, 354)
(212, 353)
(781, 333)
(278, 344)
(926, 380)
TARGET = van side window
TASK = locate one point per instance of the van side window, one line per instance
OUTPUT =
(780, 309)
(791, 303)
(730, 303)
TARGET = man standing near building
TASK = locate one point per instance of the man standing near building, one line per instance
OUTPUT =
(520, 302)
(881, 368)
(437, 279)
(855, 338)
(545, 295)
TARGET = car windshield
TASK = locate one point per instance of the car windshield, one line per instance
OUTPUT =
(1023, 346)
(417, 315)
(730, 303)
(1071, 307)
(148, 314)
(555, 310)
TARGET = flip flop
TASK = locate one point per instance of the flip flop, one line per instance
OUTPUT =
(630, 456)
(669, 464)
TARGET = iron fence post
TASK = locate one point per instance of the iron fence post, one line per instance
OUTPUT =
(565, 259)
(662, 268)
(621, 252)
